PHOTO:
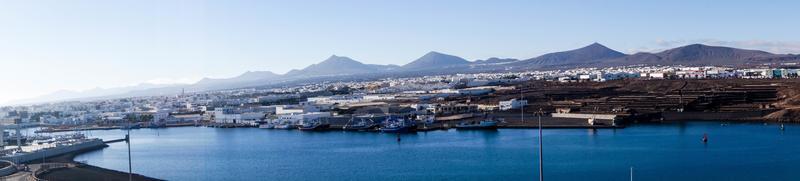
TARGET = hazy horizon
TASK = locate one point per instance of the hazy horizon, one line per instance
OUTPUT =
(80, 45)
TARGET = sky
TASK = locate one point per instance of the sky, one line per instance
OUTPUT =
(52, 45)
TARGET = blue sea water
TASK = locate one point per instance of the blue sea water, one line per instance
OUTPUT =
(674, 151)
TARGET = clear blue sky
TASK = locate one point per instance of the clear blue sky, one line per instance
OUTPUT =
(76, 45)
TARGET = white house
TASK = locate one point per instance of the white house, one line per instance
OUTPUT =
(512, 104)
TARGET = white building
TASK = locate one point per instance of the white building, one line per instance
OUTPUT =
(379, 97)
(655, 75)
(299, 118)
(512, 104)
(226, 115)
(756, 73)
(286, 110)
(251, 117)
(184, 118)
(587, 77)
(161, 115)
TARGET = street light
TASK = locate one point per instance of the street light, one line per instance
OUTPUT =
(128, 141)
(541, 166)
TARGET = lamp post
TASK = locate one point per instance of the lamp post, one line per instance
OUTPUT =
(130, 168)
(128, 141)
(541, 161)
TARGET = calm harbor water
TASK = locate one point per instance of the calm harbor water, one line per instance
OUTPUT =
(745, 151)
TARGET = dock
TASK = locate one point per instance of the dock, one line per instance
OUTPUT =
(115, 140)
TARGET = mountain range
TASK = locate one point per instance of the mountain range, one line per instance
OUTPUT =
(339, 65)
(342, 68)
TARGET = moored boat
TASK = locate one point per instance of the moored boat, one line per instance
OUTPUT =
(266, 126)
(484, 124)
(314, 125)
(285, 125)
(361, 124)
(398, 125)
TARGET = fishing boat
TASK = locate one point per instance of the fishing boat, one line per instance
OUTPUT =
(314, 125)
(285, 125)
(267, 123)
(360, 124)
(484, 124)
(285, 122)
(398, 125)
(426, 120)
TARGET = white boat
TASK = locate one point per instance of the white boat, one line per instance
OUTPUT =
(266, 126)
(285, 125)
(285, 122)
(485, 124)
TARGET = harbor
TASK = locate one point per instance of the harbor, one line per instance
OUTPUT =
(570, 154)
(368, 139)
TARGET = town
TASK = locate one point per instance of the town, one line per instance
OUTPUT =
(579, 98)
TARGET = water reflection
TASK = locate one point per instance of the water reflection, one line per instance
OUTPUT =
(488, 135)
(682, 128)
